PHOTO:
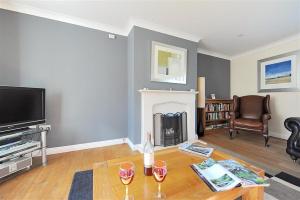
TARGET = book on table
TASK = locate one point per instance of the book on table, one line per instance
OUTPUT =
(196, 148)
(227, 174)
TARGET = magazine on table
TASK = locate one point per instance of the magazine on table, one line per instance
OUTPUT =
(227, 174)
(196, 148)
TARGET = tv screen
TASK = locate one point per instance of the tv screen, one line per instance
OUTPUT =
(21, 107)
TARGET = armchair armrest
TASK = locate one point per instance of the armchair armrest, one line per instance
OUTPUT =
(293, 144)
(233, 116)
(292, 124)
(265, 118)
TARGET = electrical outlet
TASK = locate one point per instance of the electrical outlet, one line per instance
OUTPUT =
(111, 36)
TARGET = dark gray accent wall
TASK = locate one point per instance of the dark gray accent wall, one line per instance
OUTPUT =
(217, 75)
(139, 70)
(84, 73)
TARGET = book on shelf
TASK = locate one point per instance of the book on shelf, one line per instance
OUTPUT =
(215, 107)
(217, 116)
(196, 148)
(214, 126)
(227, 174)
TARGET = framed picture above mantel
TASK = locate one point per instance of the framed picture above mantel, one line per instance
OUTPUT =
(279, 73)
(168, 63)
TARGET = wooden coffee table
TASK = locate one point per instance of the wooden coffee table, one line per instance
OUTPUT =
(181, 181)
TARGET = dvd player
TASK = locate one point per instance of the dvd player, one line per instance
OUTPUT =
(16, 147)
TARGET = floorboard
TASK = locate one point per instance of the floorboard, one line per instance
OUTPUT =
(251, 146)
(53, 182)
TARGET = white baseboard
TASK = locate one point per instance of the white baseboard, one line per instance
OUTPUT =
(279, 135)
(134, 147)
(139, 147)
(130, 144)
(77, 147)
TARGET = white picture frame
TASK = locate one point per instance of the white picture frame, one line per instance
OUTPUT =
(168, 63)
(279, 73)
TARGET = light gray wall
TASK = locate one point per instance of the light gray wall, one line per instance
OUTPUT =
(131, 106)
(140, 71)
(91, 81)
(217, 75)
(83, 71)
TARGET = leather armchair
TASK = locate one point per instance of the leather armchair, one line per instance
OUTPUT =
(293, 144)
(251, 113)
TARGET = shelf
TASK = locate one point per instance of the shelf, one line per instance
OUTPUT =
(209, 101)
(16, 149)
(218, 111)
(14, 134)
(216, 128)
(220, 108)
(216, 120)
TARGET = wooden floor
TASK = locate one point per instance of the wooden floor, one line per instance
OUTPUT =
(251, 146)
(53, 182)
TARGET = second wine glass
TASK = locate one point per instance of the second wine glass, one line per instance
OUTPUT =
(159, 174)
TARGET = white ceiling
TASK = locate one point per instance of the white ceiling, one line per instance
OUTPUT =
(224, 27)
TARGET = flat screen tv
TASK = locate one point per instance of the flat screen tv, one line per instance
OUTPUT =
(21, 107)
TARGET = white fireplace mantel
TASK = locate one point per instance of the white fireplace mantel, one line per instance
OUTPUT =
(167, 101)
(169, 91)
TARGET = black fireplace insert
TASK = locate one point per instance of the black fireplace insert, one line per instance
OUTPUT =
(169, 129)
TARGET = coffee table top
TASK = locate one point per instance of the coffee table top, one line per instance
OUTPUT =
(181, 181)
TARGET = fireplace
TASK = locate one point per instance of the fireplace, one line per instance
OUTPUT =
(169, 129)
(167, 103)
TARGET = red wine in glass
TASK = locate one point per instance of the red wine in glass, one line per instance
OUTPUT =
(159, 174)
(126, 174)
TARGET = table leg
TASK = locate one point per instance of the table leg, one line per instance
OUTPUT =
(255, 193)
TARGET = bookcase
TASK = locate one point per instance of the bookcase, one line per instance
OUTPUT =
(216, 113)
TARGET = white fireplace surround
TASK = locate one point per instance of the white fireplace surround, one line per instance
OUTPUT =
(167, 101)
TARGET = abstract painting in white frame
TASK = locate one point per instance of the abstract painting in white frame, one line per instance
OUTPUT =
(279, 73)
(168, 63)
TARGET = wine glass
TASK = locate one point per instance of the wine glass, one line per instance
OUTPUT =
(126, 173)
(159, 174)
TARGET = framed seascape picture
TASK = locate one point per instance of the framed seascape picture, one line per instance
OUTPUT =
(168, 63)
(279, 73)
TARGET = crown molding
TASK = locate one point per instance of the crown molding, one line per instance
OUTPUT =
(214, 54)
(270, 45)
(161, 29)
(18, 7)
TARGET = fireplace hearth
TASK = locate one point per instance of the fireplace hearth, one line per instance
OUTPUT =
(169, 129)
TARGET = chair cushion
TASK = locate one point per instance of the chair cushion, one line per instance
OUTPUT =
(248, 123)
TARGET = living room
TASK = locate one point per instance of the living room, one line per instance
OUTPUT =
(112, 85)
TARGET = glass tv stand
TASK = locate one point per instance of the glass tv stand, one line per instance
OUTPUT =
(18, 145)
